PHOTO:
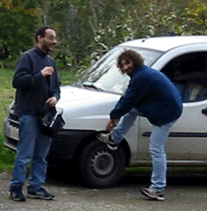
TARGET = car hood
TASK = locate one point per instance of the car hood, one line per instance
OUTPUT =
(86, 109)
(75, 96)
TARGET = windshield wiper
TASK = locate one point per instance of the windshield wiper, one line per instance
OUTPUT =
(93, 87)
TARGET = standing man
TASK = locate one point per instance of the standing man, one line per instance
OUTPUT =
(152, 95)
(37, 84)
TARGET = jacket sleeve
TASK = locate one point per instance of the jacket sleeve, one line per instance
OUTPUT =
(133, 96)
(24, 77)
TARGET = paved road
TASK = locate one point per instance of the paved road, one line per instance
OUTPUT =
(183, 194)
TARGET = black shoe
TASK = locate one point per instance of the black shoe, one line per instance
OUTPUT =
(16, 194)
(153, 194)
(40, 194)
(105, 138)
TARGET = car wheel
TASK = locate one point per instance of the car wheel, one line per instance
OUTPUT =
(101, 167)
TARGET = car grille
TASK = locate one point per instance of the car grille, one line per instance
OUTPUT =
(11, 126)
(13, 120)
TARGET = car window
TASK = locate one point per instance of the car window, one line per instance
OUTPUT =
(189, 74)
(104, 74)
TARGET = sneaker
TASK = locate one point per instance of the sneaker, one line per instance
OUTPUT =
(16, 194)
(40, 194)
(105, 138)
(153, 194)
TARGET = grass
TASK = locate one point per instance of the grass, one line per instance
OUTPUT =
(7, 96)
(172, 170)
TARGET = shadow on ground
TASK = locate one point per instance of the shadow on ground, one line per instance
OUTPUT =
(184, 178)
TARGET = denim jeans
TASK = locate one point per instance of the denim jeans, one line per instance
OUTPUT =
(33, 147)
(158, 139)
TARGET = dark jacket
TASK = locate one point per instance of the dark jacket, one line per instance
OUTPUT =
(32, 88)
(153, 94)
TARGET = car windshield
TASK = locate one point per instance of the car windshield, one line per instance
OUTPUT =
(105, 76)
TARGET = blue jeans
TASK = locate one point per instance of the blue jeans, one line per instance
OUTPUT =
(33, 147)
(158, 139)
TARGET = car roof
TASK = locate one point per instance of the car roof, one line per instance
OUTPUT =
(165, 43)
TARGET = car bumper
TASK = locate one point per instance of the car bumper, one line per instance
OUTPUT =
(63, 147)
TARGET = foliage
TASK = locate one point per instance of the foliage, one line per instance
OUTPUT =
(17, 24)
(196, 17)
(89, 28)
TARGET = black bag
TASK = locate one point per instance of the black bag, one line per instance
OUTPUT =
(52, 121)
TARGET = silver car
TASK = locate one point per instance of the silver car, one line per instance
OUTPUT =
(87, 105)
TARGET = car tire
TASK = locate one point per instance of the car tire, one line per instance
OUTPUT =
(101, 167)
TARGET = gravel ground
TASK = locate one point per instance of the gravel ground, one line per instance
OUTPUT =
(180, 196)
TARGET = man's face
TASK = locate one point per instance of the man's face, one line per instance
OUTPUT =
(48, 42)
(127, 66)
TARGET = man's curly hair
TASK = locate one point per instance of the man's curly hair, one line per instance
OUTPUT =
(130, 56)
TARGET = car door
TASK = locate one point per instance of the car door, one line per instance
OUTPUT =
(188, 138)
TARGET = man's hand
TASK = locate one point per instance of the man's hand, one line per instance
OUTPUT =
(52, 101)
(47, 71)
(112, 123)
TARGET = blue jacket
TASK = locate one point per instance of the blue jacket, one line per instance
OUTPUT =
(32, 88)
(153, 94)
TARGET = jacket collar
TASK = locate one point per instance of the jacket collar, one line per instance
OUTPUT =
(135, 71)
(41, 52)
